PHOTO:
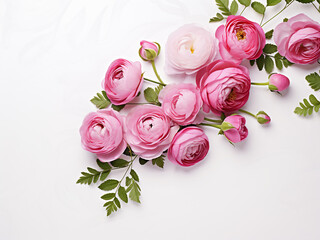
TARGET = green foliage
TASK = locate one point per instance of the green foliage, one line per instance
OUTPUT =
(269, 64)
(234, 7)
(103, 165)
(268, 61)
(260, 62)
(306, 107)
(128, 152)
(101, 100)
(246, 3)
(314, 81)
(258, 7)
(143, 161)
(273, 2)
(120, 163)
(270, 48)
(117, 108)
(159, 161)
(305, 1)
(217, 18)
(223, 6)
(123, 194)
(93, 176)
(109, 185)
(269, 34)
(151, 96)
(134, 193)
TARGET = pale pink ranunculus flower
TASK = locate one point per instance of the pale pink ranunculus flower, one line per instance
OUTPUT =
(240, 39)
(224, 86)
(149, 50)
(278, 82)
(102, 133)
(149, 131)
(298, 39)
(182, 103)
(188, 147)
(239, 131)
(123, 81)
(188, 49)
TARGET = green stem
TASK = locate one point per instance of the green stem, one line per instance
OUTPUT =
(287, 5)
(129, 167)
(213, 120)
(261, 19)
(160, 83)
(156, 72)
(249, 113)
(211, 125)
(243, 10)
(255, 83)
(316, 7)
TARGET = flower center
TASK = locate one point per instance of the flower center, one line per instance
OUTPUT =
(241, 35)
(192, 49)
(232, 96)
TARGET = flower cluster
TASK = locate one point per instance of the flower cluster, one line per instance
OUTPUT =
(172, 120)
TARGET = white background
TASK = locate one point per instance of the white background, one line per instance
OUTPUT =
(53, 56)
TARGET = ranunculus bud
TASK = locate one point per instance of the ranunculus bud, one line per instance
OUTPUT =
(149, 50)
(263, 118)
(278, 82)
(234, 128)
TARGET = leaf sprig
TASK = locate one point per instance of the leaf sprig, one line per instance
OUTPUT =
(151, 94)
(306, 107)
(314, 81)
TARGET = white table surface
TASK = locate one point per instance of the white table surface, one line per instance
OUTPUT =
(53, 56)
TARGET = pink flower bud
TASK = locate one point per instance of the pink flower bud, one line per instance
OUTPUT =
(234, 128)
(263, 118)
(149, 50)
(278, 82)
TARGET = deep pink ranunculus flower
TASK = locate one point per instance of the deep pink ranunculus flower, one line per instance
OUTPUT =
(182, 103)
(224, 86)
(188, 146)
(239, 131)
(123, 81)
(102, 133)
(149, 131)
(240, 39)
(298, 39)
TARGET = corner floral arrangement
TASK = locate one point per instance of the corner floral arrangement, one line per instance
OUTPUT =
(170, 123)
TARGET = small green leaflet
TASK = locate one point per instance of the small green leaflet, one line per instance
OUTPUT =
(151, 96)
(223, 6)
(134, 175)
(108, 196)
(273, 2)
(270, 48)
(234, 7)
(305, 1)
(258, 7)
(269, 34)
(120, 163)
(123, 194)
(306, 108)
(260, 62)
(101, 100)
(117, 108)
(314, 81)
(246, 3)
(109, 184)
(269, 64)
(143, 161)
(159, 161)
(217, 18)
(103, 165)
(134, 194)
(128, 152)
(93, 176)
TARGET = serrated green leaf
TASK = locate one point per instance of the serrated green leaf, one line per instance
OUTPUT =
(307, 108)
(217, 18)
(109, 185)
(101, 100)
(314, 81)
(134, 175)
(108, 196)
(269, 64)
(260, 62)
(305, 1)
(246, 3)
(270, 48)
(278, 63)
(234, 7)
(134, 194)
(123, 194)
(306, 103)
(159, 161)
(117, 108)
(120, 163)
(223, 6)
(258, 7)
(103, 165)
(269, 34)
(104, 175)
(273, 2)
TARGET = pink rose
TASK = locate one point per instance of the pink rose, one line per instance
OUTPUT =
(188, 146)
(102, 133)
(149, 131)
(182, 103)
(123, 81)
(234, 128)
(278, 82)
(224, 86)
(240, 39)
(188, 49)
(149, 50)
(298, 39)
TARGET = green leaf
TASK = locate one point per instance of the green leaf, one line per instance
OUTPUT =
(101, 100)
(104, 175)
(103, 165)
(305, 1)
(150, 95)
(143, 161)
(314, 100)
(278, 63)
(285, 19)
(109, 185)
(252, 62)
(111, 207)
(128, 152)
(117, 108)
(246, 3)
(269, 34)
(272, 87)
(234, 7)
(108, 196)
(128, 181)
(273, 2)
(314, 81)
(134, 175)
(270, 48)
(223, 6)
(93, 171)
(119, 163)
(134, 194)
(123, 194)
(117, 202)
(258, 7)
(286, 63)
(307, 108)
(260, 62)
(85, 179)
(217, 18)
(269, 64)
(159, 161)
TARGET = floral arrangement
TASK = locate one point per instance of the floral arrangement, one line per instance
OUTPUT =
(170, 122)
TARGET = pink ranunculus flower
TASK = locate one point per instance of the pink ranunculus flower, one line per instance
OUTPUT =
(102, 133)
(224, 86)
(240, 39)
(235, 129)
(298, 39)
(149, 131)
(123, 81)
(188, 49)
(188, 146)
(182, 103)
(149, 50)
(278, 82)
